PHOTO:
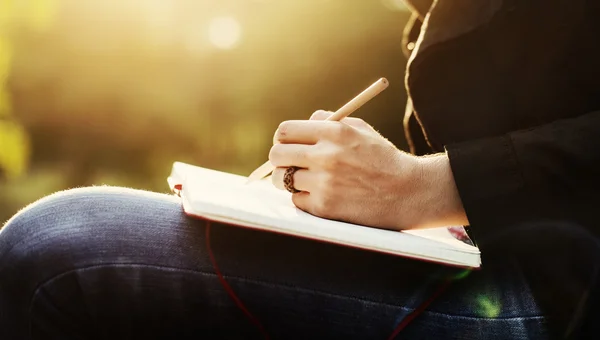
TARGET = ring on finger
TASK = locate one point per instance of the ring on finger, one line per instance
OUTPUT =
(288, 179)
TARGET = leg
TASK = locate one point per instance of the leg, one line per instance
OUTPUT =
(107, 263)
(549, 269)
(116, 264)
(560, 262)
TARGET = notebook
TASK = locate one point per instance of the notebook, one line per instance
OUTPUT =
(224, 197)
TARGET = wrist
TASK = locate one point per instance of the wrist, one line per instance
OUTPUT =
(439, 194)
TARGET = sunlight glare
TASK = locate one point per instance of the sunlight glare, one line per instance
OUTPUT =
(395, 5)
(224, 32)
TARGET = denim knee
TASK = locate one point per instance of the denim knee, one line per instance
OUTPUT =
(67, 226)
(73, 230)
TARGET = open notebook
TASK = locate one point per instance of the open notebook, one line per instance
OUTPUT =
(225, 197)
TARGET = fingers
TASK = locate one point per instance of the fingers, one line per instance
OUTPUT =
(302, 201)
(356, 122)
(352, 121)
(297, 132)
(285, 155)
(303, 179)
(309, 132)
(320, 115)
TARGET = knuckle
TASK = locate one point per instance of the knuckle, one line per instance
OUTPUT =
(326, 198)
(332, 159)
(360, 122)
(318, 209)
(302, 201)
(320, 114)
(324, 207)
(329, 198)
(302, 155)
(328, 183)
(335, 131)
(276, 177)
(339, 131)
(320, 156)
(275, 154)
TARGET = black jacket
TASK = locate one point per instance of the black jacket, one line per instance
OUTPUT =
(511, 90)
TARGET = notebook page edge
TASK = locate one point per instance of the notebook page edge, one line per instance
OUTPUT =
(423, 244)
(455, 258)
(423, 248)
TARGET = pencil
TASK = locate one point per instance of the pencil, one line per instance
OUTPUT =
(338, 115)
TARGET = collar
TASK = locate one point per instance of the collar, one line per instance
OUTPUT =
(419, 7)
(447, 19)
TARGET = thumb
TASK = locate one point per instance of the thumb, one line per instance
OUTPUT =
(352, 121)
(320, 115)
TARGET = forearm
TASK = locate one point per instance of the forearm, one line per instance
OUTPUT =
(439, 198)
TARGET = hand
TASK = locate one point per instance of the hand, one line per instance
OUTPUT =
(351, 173)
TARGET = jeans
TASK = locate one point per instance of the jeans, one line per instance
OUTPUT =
(113, 263)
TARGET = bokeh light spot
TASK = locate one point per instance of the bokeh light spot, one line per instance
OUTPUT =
(488, 307)
(395, 5)
(462, 274)
(224, 32)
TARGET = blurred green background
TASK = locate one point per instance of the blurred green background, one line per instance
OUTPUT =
(114, 91)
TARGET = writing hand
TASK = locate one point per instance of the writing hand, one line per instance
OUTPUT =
(350, 172)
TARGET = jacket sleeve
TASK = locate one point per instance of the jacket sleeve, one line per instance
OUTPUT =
(551, 172)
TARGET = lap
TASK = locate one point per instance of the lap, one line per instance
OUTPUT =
(102, 262)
